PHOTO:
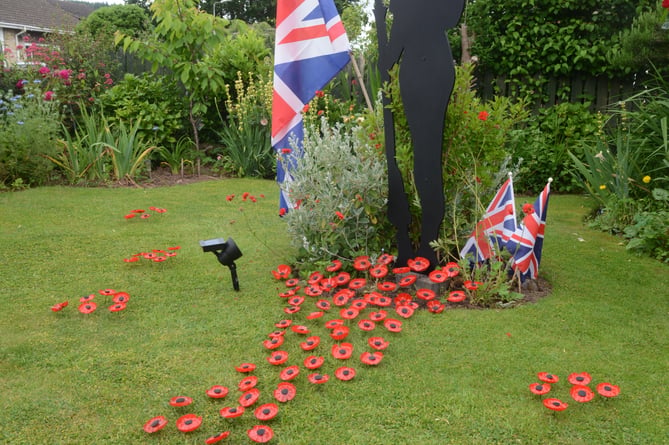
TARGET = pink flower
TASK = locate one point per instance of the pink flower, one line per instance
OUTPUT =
(64, 74)
(48, 95)
(44, 70)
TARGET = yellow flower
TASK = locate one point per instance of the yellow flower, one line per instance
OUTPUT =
(602, 187)
(646, 179)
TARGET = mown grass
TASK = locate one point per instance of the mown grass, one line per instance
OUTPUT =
(460, 377)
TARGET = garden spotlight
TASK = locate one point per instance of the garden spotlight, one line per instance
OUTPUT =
(226, 252)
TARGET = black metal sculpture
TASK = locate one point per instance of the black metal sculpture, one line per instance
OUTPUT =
(418, 42)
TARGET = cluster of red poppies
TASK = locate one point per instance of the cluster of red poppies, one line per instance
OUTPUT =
(246, 196)
(88, 305)
(143, 214)
(580, 391)
(156, 255)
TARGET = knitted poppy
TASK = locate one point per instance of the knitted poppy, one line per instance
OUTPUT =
(339, 333)
(313, 362)
(402, 299)
(378, 271)
(452, 269)
(331, 324)
(547, 377)
(217, 392)
(386, 286)
(249, 397)
(435, 306)
(180, 401)
(273, 343)
(361, 263)
(217, 438)
(401, 270)
(438, 276)
(540, 388)
(581, 393)
(133, 259)
(283, 323)
(358, 304)
(345, 373)
(245, 367)
(284, 392)
(425, 294)
(472, 285)
(349, 314)
(456, 296)
(188, 423)
(277, 333)
(371, 358)
(292, 282)
(357, 283)
(106, 292)
(418, 264)
(313, 291)
(230, 412)
(341, 297)
(278, 358)
(334, 266)
(385, 259)
(342, 278)
(121, 297)
(366, 325)
(57, 307)
(555, 404)
(282, 272)
(392, 325)
(155, 424)
(87, 308)
(292, 309)
(579, 378)
(117, 307)
(289, 293)
(608, 390)
(310, 343)
(407, 280)
(378, 315)
(266, 411)
(300, 329)
(342, 351)
(289, 373)
(315, 278)
(323, 305)
(296, 300)
(247, 383)
(404, 311)
(317, 378)
(383, 301)
(378, 343)
(260, 433)
(87, 298)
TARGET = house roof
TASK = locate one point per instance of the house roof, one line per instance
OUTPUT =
(41, 15)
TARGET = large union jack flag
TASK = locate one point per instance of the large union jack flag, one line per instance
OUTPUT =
(492, 233)
(311, 48)
(528, 240)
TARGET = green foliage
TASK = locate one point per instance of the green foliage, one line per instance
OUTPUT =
(649, 235)
(156, 100)
(183, 152)
(128, 150)
(494, 286)
(128, 19)
(253, 11)
(339, 187)
(29, 127)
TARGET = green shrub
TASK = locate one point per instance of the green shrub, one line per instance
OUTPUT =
(649, 235)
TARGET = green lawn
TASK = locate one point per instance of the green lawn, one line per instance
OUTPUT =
(459, 377)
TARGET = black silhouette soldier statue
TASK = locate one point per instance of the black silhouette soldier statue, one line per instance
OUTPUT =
(418, 42)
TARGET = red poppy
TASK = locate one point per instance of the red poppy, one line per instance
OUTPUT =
(331, 324)
(310, 343)
(371, 358)
(315, 278)
(378, 271)
(296, 300)
(266, 411)
(247, 383)
(327, 284)
(232, 412)
(289, 373)
(385, 258)
(342, 351)
(155, 424)
(288, 293)
(378, 315)
(217, 438)
(131, 260)
(345, 373)
(282, 272)
(87, 298)
(555, 404)
(472, 285)
(342, 278)
(292, 282)
(334, 266)
(284, 392)
(357, 283)
(358, 304)
(313, 291)
(540, 388)
(121, 297)
(456, 296)
(106, 292)
(401, 270)
(339, 333)
(435, 306)
(180, 401)
(283, 323)
(349, 314)
(341, 298)
(273, 343)
(323, 304)
(87, 308)
(404, 311)
(188, 423)
(159, 259)
(392, 325)
(361, 263)
(317, 378)
(383, 301)
(300, 329)
(57, 307)
(260, 433)
(547, 377)
(608, 390)
(581, 393)
(174, 248)
(579, 378)
(278, 358)
(386, 286)
(148, 256)
(438, 276)
(277, 333)
(313, 362)
(249, 397)
(452, 269)
(217, 392)
(425, 294)
(407, 280)
(366, 325)
(138, 211)
(418, 264)
(378, 343)
(246, 367)
(145, 216)
(290, 310)
(117, 307)
(129, 216)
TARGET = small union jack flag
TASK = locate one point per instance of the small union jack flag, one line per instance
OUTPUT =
(311, 48)
(496, 228)
(528, 240)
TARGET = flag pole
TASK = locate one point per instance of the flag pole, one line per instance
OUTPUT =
(361, 82)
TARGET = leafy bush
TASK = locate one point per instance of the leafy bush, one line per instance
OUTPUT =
(29, 127)
(339, 188)
(649, 235)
